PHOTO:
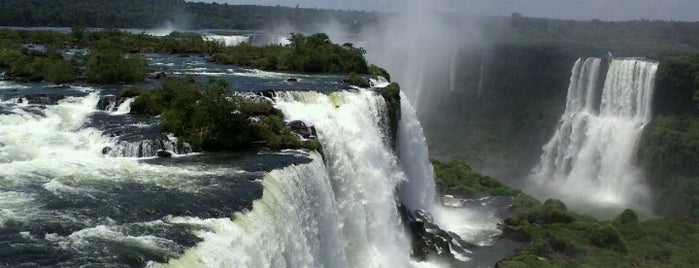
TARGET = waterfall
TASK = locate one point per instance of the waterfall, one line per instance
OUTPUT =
(228, 40)
(418, 192)
(337, 211)
(591, 156)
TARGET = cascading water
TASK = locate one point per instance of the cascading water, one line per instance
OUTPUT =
(228, 40)
(591, 156)
(340, 214)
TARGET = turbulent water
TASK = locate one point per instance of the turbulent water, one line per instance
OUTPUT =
(65, 200)
(591, 156)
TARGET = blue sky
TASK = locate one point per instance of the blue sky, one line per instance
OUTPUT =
(685, 10)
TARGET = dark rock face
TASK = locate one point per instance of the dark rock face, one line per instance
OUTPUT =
(42, 99)
(429, 240)
(267, 93)
(161, 146)
(299, 127)
(107, 102)
(164, 154)
(186, 148)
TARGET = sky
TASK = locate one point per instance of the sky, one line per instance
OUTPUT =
(680, 10)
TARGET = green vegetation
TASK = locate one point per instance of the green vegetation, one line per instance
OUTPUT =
(391, 94)
(669, 147)
(109, 66)
(32, 65)
(113, 57)
(556, 237)
(306, 54)
(214, 119)
(458, 179)
(106, 57)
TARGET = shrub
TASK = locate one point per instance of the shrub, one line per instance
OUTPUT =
(109, 66)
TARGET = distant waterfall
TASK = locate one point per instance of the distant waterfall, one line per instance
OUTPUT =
(591, 156)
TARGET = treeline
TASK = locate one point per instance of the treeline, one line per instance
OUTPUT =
(640, 38)
(154, 14)
(308, 54)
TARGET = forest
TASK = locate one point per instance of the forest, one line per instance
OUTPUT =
(181, 14)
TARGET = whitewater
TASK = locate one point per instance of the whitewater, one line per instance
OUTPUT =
(591, 158)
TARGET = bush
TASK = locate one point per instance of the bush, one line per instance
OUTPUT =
(214, 119)
(109, 66)
(606, 236)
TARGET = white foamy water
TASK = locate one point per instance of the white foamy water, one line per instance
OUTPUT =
(338, 211)
(591, 159)
(228, 40)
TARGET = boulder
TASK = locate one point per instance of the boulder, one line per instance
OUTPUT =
(186, 148)
(164, 154)
(268, 93)
(106, 150)
(299, 127)
(107, 103)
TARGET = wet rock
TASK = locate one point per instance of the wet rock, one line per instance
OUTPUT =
(107, 103)
(267, 93)
(429, 240)
(299, 127)
(41, 99)
(164, 154)
(117, 133)
(106, 150)
(292, 80)
(186, 148)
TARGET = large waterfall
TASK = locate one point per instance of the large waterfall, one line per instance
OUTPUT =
(591, 156)
(62, 196)
(338, 211)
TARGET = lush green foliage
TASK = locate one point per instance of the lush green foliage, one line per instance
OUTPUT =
(213, 119)
(36, 65)
(669, 147)
(458, 179)
(109, 66)
(306, 54)
(584, 241)
(677, 83)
